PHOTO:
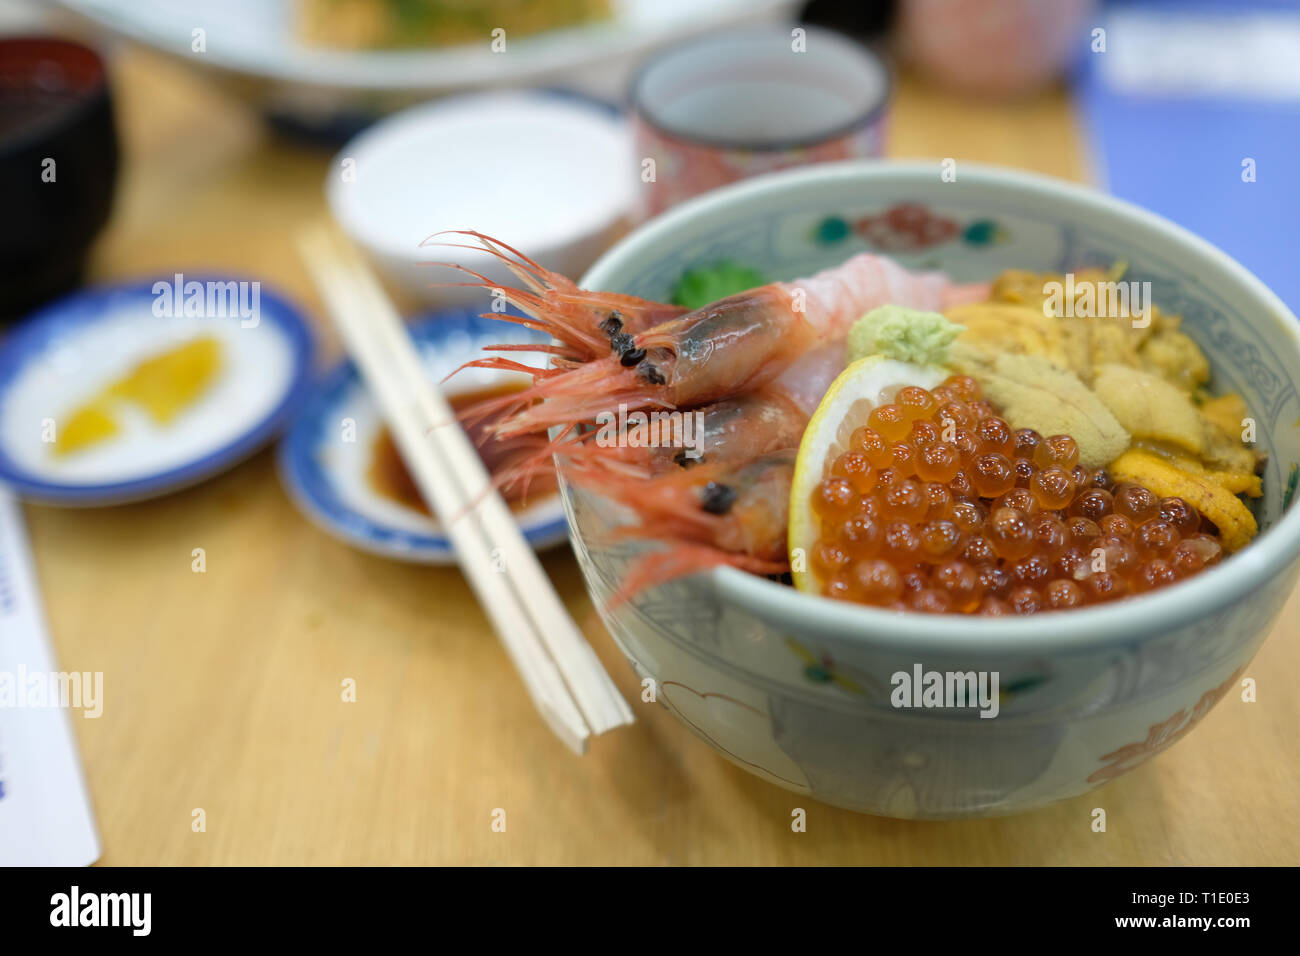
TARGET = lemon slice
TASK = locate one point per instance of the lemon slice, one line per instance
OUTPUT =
(868, 382)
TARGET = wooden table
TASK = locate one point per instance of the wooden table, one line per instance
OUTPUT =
(223, 689)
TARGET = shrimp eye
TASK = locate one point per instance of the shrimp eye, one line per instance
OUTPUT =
(718, 498)
(613, 325)
(631, 357)
(651, 375)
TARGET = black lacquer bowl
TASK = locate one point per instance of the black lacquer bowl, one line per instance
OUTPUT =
(58, 166)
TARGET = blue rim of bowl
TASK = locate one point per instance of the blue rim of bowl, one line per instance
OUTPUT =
(1090, 627)
(37, 333)
(309, 487)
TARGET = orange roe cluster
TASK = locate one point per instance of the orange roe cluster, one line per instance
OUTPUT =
(939, 505)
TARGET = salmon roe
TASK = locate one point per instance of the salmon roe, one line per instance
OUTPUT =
(939, 506)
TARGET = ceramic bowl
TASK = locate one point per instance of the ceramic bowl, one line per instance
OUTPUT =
(551, 171)
(702, 111)
(796, 688)
(58, 166)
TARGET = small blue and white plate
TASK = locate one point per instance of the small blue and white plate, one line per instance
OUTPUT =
(66, 353)
(325, 458)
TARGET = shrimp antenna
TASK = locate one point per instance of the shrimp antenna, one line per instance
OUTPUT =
(494, 246)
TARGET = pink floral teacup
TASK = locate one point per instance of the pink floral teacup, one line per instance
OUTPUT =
(738, 104)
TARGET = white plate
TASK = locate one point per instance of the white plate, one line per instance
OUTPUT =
(325, 457)
(71, 350)
(256, 38)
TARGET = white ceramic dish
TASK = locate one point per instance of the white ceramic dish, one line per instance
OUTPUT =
(325, 458)
(70, 350)
(254, 41)
(554, 172)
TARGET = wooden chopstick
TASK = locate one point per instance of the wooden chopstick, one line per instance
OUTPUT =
(559, 668)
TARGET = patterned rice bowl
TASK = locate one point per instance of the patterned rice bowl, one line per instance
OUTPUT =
(796, 688)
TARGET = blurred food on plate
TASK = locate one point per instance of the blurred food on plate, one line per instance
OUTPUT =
(386, 24)
(106, 397)
(163, 385)
(325, 69)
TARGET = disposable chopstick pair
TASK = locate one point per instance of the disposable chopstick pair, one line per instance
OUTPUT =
(559, 668)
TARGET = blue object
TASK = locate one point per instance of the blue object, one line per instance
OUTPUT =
(50, 325)
(1176, 135)
(455, 334)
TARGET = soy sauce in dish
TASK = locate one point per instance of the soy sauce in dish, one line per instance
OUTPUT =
(388, 476)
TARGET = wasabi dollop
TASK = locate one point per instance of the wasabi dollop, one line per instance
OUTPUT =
(907, 335)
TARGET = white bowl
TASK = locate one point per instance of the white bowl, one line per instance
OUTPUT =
(553, 173)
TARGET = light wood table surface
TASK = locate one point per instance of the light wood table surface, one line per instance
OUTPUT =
(222, 689)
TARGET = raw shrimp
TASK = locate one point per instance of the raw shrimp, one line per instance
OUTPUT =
(553, 304)
(724, 349)
(727, 433)
(708, 516)
(731, 431)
